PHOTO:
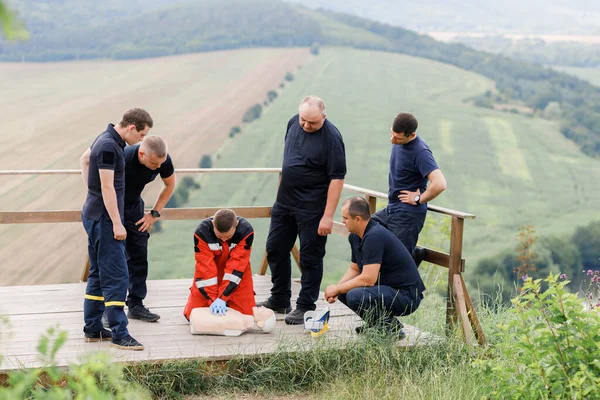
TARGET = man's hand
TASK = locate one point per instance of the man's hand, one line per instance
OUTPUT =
(406, 196)
(325, 226)
(331, 293)
(119, 231)
(146, 222)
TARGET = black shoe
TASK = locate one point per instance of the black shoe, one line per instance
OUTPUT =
(296, 317)
(268, 303)
(419, 254)
(396, 329)
(127, 343)
(141, 312)
(100, 336)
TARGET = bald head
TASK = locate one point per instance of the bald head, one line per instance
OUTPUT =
(312, 113)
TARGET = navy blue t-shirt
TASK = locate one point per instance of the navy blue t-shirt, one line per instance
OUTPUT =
(106, 153)
(310, 162)
(137, 175)
(409, 166)
(379, 246)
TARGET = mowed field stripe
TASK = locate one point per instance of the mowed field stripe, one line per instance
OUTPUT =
(509, 155)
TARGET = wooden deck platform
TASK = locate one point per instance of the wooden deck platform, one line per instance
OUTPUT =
(31, 310)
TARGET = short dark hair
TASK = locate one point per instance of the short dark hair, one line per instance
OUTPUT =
(405, 123)
(138, 117)
(224, 220)
(358, 207)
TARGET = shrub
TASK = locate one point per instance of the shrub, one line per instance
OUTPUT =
(289, 77)
(253, 113)
(205, 162)
(315, 48)
(96, 378)
(271, 95)
(548, 348)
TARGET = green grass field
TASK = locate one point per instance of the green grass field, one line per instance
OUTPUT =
(509, 170)
(592, 75)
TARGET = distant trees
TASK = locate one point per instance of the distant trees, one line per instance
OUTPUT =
(234, 131)
(289, 77)
(206, 161)
(182, 193)
(315, 48)
(271, 95)
(252, 114)
(12, 28)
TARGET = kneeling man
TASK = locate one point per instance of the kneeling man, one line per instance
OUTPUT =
(223, 277)
(382, 282)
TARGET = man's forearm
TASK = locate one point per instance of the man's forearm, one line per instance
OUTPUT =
(109, 197)
(433, 191)
(163, 197)
(350, 274)
(357, 281)
(333, 196)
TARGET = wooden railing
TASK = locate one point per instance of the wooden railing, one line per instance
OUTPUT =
(459, 306)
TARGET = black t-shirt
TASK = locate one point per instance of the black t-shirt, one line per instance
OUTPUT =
(106, 153)
(379, 246)
(137, 175)
(310, 162)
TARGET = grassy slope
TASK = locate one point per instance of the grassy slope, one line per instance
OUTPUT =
(507, 169)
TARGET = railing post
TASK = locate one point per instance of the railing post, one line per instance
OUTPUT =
(456, 241)
(372, 203)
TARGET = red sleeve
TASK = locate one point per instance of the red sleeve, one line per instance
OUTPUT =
(205, 277)
(236, 266)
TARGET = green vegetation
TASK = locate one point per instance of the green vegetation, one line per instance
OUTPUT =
(10, 26)
(216, 24)
(206, 161)
(507, 169)
(536, 50)
(591, 75)
(253, 113)
(182, 193)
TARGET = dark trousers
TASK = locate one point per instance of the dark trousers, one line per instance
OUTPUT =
(380, 304)
(406, 226)
(286, 226)
(107, 282)
(136, 247)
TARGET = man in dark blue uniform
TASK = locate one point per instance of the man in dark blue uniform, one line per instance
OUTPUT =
(411, 166)
(143, 163)
(312, 178)
(102, 217)
(382, 282)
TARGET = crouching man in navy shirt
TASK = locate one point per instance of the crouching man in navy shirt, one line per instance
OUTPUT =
(312, 178)
(102, 217)
(382, 282)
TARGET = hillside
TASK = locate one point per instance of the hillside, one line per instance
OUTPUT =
(52, 112)
(532, 16)
(592, 75)
(504, 168)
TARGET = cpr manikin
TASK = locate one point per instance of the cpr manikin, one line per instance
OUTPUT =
(233, 323)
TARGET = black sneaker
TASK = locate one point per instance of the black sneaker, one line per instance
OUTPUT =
(141, 312)
(127, 343)
(419, 254)
(100, 336)
(268, 303)
(296, 317)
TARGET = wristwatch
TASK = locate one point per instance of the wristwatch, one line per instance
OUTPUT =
(417, 198)
(155, 213)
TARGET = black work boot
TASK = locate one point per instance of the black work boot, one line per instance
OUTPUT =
(419, 254)
(296, 317)
(100, 336)
(141, 312)
(270, 304)
(127, 343)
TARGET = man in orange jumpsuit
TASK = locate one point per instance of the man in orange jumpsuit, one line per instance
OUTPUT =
(223, 277)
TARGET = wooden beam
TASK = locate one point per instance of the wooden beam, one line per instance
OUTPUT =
(459, 297)
(456, 240)
(264, 264)
(372, 203)
(178, 170)
(296, 255)
(472, 314)
(38, 217)
(86, 269)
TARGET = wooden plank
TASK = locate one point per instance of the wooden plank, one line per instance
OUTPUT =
(456, 241)
(37, 217)
(462, 310)
(372, 200)
(264, 264)
(296, 256)
(85, 273)
(177, 170)
(479, 335)
(339, 229)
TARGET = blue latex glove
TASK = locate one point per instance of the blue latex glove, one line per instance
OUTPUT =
(218, 307)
